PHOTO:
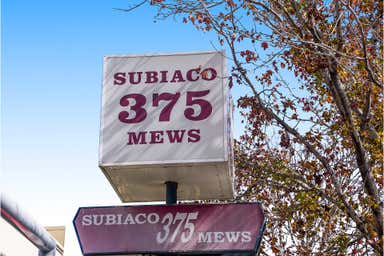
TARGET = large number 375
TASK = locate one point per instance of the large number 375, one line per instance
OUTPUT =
(169, 222)
(192, 98)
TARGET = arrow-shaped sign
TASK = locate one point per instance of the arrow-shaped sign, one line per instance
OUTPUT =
(208, 228)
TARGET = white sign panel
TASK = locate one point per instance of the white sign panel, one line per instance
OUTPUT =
(164, 109)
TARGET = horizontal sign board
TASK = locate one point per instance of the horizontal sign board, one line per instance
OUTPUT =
(209, 228)
(166, 116)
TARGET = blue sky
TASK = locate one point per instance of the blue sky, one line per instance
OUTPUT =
(50, 97)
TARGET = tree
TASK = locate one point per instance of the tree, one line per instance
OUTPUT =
(311, 72)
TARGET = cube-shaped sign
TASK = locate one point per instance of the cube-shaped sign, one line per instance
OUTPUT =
(167, 117)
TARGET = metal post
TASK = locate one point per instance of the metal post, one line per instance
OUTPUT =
(171, 192)
(27, 226)
(170, 198)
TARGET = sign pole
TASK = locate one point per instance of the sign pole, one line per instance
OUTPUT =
(171, 192)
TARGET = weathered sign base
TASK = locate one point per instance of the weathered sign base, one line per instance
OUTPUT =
(196, 181)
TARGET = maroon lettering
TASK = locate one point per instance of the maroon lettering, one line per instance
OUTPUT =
(136, 138)
(175, 136)
(132, 77)
(137, 108)
(199, 109)
(205, 106)
(160, 137)
(163, 76)
(189, 75)
(177, 77)
(151, 77)
(166, 111)
(156, 137)
(208, 74)
(119, 78)
(194, 135)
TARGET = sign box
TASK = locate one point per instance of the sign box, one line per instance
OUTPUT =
(157, 229)
(167, 117)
